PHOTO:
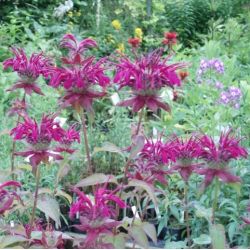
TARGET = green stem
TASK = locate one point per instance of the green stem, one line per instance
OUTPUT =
(186, 214)
(139, 122)
(35, 198)
(13, 150)
(216, 196)
(84, 127)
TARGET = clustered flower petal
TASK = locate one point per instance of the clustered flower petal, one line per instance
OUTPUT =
(7, 197)
(40, 136)
(231, 97)
(134, 42)
(96, 217)
(83, 79)
(146, 76)
(170, 38)
(198, 154)
(214, 64)
(218, 155)
(28, 69)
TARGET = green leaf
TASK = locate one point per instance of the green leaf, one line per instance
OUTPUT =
(150, 230)
(118, 241)
(203, 212)
(8, 240)
(204, 239)
(108, 147)
(97, 178)
(63, 171)
(137, 147)
(138, 234)
(217, 234)
(175, 245)
(50, 207)
(149, 189)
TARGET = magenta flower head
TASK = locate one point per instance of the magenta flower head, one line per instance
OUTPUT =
(40, 137)
(151, 162)
(83, 79)
(7, 197)
(96, 216)
(157, 151)
(218, 155)
(146, 76)
(186, 152)
(28, 69)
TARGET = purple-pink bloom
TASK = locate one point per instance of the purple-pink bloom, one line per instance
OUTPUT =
(96, 217)
(218, 155)
(186, 152)
(83, 79)
(28, 69)
(146, 76)
(39, 138)
(7, 197)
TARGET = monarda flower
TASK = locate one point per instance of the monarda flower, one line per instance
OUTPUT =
(170, 38)
(82, 78)
(40, 137)
(134, 42)
(218, 155)
(185, 151)
(7, 197)
(146, 76)
(28, 69)
(96, 217)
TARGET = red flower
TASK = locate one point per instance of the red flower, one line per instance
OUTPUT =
(96, 216)
(183, 75)
(219, 155)
(82, 76)
(7, 197)
(28, 69)
(186, 151)
(146, 76)
(134, 42)
(39, 138)
(170, 38)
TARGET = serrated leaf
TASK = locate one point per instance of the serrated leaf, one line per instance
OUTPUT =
(108, 147)
(217, 234)
(97, 178)
(150, 230)
(50, 207)
(204, 239)
(140, 237)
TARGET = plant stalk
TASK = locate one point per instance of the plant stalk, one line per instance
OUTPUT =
(216, 196)
(186, 214)
(13, 150)
(139, 122)
(86, 143)
(35, 198)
